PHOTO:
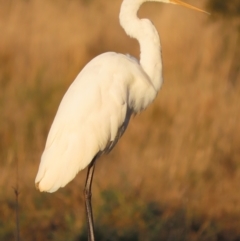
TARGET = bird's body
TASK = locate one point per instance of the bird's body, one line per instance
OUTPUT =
(92, 116)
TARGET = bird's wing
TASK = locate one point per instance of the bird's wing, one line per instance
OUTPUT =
(90, 118)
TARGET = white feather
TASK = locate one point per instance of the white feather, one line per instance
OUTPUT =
(96, 109)
(90, 115)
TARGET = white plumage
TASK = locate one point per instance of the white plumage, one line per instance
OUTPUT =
(96, 109)
(90, 115)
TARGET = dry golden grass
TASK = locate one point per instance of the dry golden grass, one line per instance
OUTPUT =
(183, 152)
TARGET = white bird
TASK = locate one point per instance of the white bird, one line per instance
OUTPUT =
(96, 109)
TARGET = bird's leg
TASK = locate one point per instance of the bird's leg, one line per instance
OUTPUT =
(88, 204)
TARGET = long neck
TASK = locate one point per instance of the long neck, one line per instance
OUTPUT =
(147, 36)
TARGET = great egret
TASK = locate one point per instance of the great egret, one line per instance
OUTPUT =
(96, 109)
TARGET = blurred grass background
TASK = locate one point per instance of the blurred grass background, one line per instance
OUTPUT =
(174, 175)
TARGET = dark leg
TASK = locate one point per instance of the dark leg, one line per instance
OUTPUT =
(88, 205)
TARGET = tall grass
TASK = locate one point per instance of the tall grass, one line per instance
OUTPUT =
(175, 173)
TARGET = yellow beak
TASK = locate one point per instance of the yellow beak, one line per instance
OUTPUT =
(187, 5)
